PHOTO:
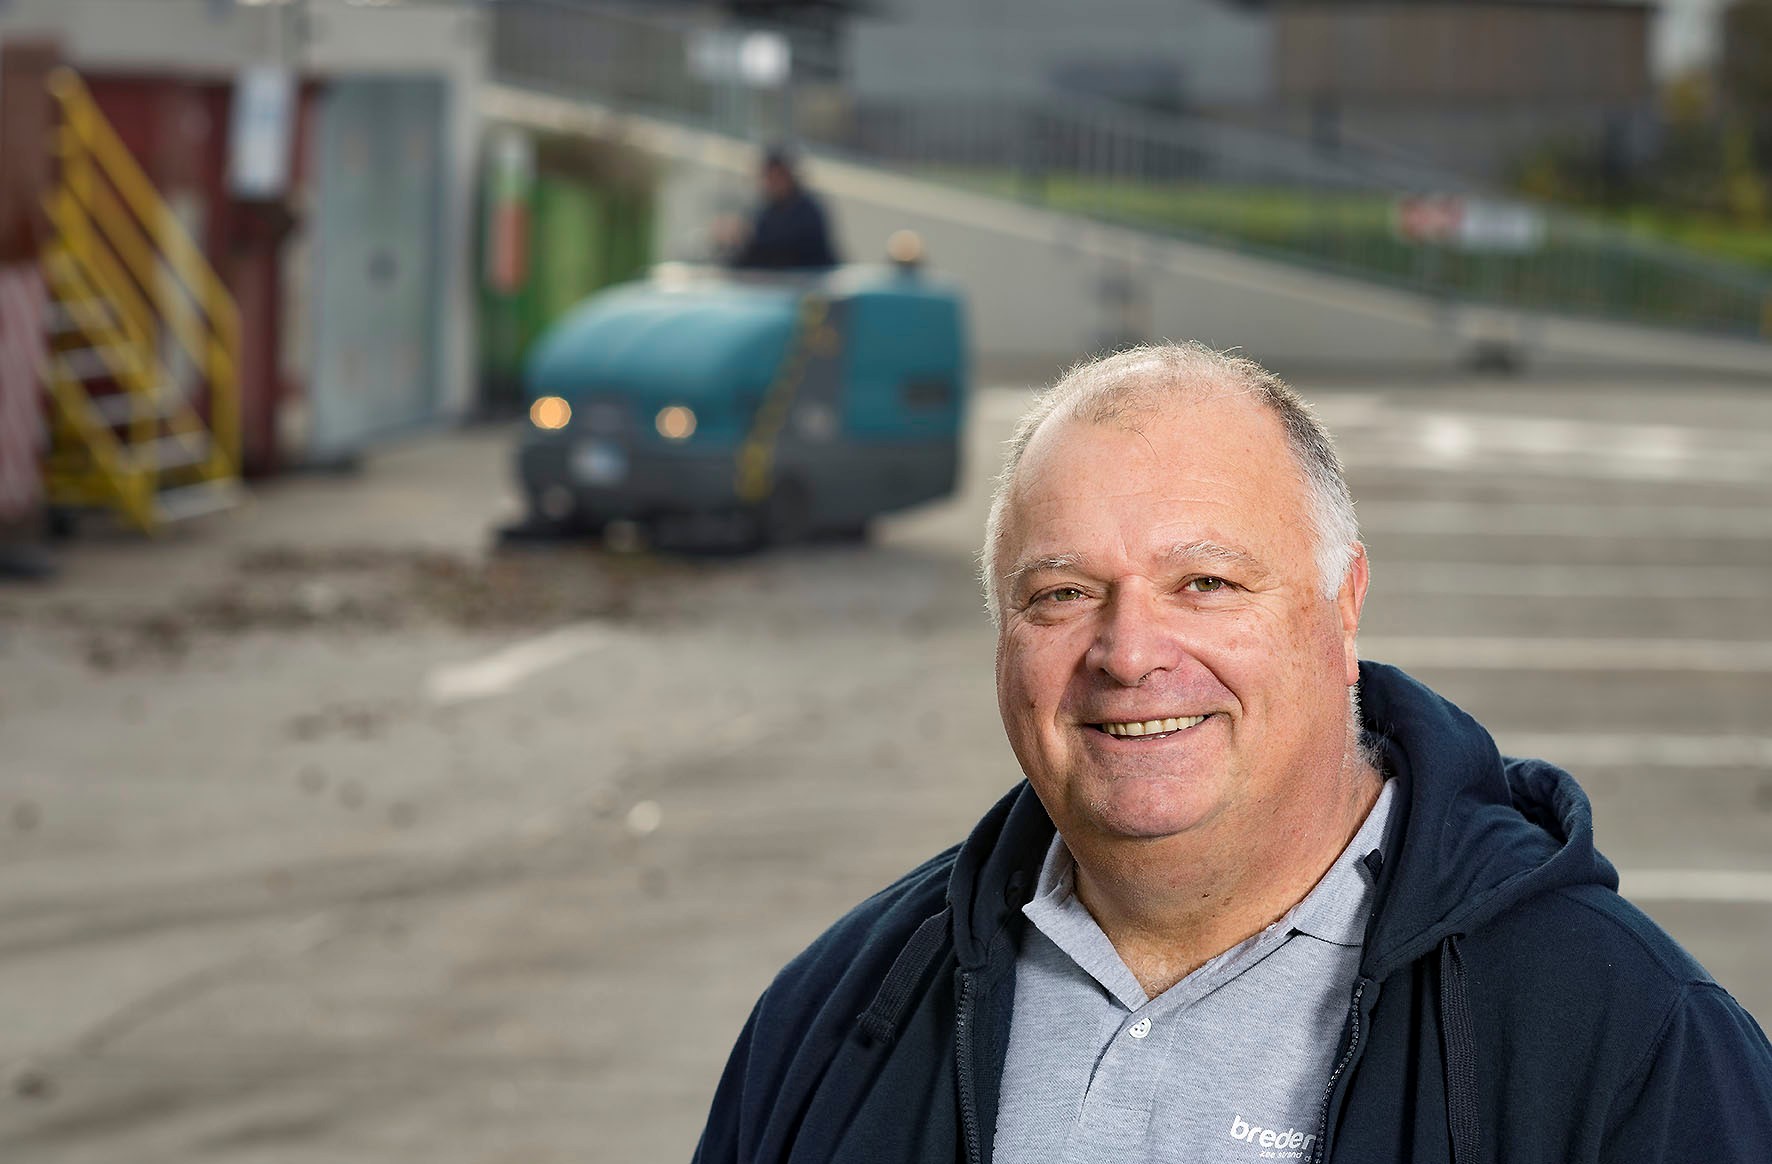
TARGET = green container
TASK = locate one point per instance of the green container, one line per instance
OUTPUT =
(583, 235)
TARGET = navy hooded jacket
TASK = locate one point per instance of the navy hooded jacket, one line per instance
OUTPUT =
(1510, 1006)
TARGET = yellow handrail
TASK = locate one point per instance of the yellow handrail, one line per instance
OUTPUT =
(77, 233)
(144, 375)
(180, 314)
(82, 115)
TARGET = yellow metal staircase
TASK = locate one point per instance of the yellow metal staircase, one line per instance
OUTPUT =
(130, 292)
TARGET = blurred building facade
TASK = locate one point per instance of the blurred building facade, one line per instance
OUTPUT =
(1465, 84)
(1161, 54)
(1472, 85)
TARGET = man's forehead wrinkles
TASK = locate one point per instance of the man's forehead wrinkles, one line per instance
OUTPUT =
(1058, 493)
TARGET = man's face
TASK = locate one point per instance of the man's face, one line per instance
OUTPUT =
(1167, 662)
(778, 182)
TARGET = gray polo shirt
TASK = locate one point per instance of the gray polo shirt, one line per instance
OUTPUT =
(1230, 1063)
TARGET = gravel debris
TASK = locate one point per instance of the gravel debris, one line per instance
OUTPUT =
(362, 590)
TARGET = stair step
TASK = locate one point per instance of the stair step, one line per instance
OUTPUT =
(172, 452)
(117, 408)
(205, 497)
(86, 364)
(64, 316)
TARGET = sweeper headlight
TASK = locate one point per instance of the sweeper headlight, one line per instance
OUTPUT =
(675, 422)
(550, 412)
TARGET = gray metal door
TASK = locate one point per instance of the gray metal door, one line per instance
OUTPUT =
(380, 173)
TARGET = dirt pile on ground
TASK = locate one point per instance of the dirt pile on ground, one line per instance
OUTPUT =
(365, 590)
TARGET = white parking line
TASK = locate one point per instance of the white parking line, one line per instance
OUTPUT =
(1564, 520)
(1576, 750)
(1550, 446)
(505, 669)
(1732, 886)
(1553, 580)
(1557, 654)
(1724, 467)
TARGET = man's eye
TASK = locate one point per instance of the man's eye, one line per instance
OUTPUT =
(1061, 594)
(1206, 585)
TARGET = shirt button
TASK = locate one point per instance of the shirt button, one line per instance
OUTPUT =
(1139, 1029)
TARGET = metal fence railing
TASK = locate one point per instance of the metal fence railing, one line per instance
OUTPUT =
(1341, 209)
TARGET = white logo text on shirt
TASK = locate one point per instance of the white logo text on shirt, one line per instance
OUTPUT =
(1286, 1144)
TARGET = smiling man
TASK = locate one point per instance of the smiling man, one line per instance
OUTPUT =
(1256, 899)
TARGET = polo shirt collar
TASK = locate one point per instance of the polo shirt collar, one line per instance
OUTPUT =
(1334, 911)
(1337, 909)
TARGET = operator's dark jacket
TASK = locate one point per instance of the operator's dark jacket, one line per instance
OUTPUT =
(791, 234)
(1510, 1005)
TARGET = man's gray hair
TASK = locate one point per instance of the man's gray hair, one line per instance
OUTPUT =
(1112, 389)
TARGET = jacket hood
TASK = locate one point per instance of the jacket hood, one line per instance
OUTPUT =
(1471, 834)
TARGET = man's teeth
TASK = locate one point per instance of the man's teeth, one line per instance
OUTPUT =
(1151, 727)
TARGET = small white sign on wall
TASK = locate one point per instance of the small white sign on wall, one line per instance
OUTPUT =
(260, 137)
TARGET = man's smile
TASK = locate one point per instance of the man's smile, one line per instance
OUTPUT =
(1143, 728)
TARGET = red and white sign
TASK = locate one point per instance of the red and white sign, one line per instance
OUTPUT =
(1428, 217)
(507, 221)
(1470, 224)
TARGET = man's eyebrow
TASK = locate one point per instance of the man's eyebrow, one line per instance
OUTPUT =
(1214, 553)
(1053, 562)
(1207, 552)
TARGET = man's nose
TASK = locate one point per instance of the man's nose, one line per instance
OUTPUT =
(1133, 638)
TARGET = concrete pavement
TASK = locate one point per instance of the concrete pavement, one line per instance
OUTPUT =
(328, 838)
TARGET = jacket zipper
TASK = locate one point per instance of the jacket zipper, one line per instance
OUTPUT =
(963, 1068)
(1353, 1045)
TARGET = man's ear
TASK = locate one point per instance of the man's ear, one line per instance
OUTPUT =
(1349, 602)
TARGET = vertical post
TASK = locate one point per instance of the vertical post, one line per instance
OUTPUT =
(27, 121)
(224, 406)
